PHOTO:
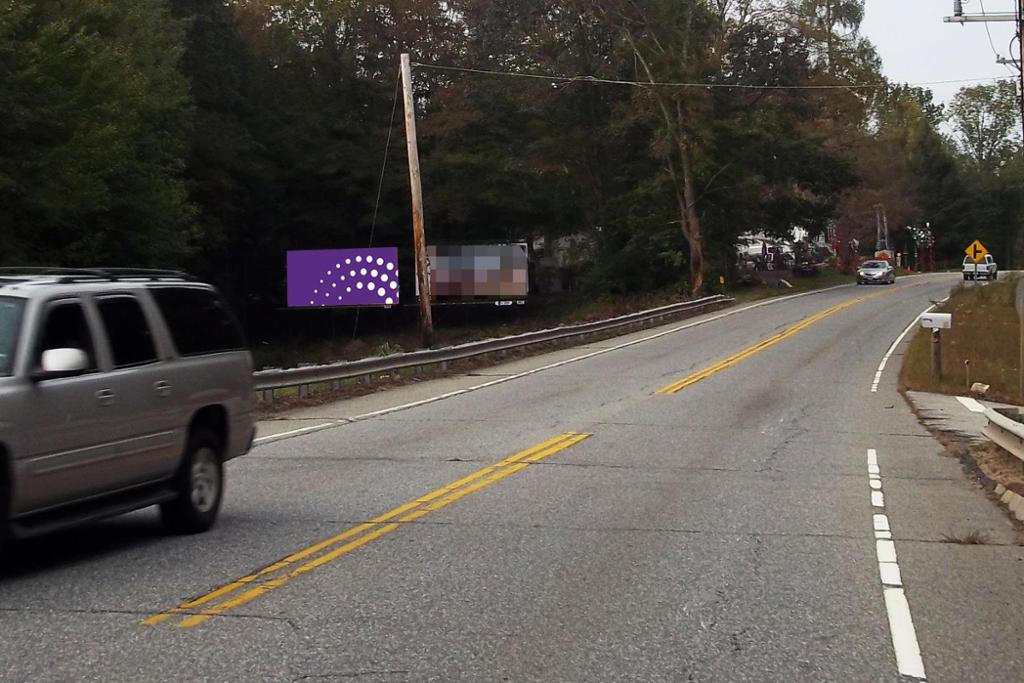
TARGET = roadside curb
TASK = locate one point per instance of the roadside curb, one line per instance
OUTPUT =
(1012, 501)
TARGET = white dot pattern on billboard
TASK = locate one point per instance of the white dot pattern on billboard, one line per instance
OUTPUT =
(319, 278)
(365, 280)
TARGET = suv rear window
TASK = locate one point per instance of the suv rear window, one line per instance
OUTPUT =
(10, 322)
(199, 320)
(131, 341)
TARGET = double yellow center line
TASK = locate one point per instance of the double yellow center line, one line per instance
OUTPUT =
(746, 353)
(246, 589)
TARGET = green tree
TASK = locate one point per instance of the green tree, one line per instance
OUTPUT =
(668, 42)
(293, 105)
(777, 172)
(92, 140)
(824, 21)
(941, 191)
(986, 120)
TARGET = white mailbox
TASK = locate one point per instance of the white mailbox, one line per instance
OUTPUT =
(937, 321)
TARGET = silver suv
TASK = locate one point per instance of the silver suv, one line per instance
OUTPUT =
(119, 389)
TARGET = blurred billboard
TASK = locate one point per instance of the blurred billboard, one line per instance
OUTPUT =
(492, 271)
(343, 277)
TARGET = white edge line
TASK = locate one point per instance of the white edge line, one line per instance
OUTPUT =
(889, 573)
(886, 550)
(294, 432)
(895, 345)
(901, 625)
(904, 637)
(452, 394)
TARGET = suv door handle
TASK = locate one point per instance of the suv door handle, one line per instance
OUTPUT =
(105, 397)
(162, 388)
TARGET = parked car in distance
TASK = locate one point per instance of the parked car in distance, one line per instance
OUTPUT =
(876, 272)
(987, 269)
(119, 389)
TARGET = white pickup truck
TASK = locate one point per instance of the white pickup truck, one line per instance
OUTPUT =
(987, 268)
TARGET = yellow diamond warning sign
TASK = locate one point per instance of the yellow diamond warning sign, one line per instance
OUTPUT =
(977, 252)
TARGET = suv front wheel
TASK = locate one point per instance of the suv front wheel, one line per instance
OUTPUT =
(199, 486)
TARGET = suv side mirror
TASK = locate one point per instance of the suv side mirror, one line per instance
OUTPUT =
(57, 363)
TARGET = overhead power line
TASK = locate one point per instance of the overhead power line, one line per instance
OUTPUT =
(644, 84)
(988, 32)
(992, 43)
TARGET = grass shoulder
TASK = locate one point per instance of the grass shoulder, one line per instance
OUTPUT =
(983, 345)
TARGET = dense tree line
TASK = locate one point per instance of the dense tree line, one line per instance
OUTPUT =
(216, 135)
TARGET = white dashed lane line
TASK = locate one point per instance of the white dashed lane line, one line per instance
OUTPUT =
(901, 624)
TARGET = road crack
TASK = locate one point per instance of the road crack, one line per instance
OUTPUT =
(138, 613)
(351, 674)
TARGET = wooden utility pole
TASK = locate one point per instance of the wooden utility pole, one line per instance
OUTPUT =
(1020, 315)
(418, 239)
(881, 229)
(1020, 66)
(885, 228)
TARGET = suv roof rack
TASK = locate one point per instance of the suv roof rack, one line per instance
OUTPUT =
(68, 275)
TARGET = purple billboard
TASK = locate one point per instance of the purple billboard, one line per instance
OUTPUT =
(343, 277)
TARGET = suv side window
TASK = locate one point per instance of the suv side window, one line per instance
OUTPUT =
(199, 320)
(131, 341)
(65, 327)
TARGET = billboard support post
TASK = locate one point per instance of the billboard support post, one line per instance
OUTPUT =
(418, 239)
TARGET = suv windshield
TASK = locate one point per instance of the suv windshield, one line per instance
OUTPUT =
(10, 322)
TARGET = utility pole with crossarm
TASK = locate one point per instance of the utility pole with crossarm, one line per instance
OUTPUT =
(1016, 16)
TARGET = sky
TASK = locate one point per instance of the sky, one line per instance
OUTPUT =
(918, 47)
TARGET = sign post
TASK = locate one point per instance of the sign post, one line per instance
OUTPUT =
(1020, 315)
(937, 322)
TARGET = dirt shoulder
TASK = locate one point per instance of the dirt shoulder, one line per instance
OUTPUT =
(1000, 466)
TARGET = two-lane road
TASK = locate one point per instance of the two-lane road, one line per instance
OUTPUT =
(724, 499)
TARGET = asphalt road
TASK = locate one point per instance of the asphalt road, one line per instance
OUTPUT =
(573, 524)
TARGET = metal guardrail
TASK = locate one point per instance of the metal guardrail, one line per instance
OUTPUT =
(266, 381)
(1005, 431)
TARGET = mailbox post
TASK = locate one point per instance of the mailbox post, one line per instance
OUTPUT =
(1020, 315)
(937, 322)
